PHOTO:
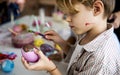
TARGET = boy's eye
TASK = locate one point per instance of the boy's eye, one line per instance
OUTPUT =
(70, 14)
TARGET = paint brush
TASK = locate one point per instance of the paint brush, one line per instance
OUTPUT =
(11, 30)
(38, 33)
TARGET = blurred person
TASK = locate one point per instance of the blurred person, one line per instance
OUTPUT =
(115, 19)
(10, 8)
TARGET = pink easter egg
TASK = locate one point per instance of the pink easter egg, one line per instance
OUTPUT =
(17, 28)
(29, 55)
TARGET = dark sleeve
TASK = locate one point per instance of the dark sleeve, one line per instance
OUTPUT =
(117, 32)
(117, 6)
(3, 12)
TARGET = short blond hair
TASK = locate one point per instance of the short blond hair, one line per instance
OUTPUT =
(68, 5)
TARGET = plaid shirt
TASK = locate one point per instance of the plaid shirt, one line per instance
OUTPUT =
(99, 57)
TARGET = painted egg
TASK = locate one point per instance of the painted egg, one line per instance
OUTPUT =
(29, 54)
(17, 28)
(7, 66)
(47, 49)
(38, 42)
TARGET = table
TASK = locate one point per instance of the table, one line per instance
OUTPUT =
(5, 45)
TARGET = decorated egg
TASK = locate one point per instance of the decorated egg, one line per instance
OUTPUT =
(38, 42)
(47, 49)
(7, 66)
(29, 54)
(17, 28)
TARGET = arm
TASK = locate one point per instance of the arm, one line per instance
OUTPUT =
(55, 37)
(55, 72)
(20, 3)
(41, 64)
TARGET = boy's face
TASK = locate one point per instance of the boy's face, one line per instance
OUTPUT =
(83, 21)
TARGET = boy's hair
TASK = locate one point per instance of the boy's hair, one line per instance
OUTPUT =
(68, 5)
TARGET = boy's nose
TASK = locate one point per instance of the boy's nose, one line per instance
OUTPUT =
(68, 18)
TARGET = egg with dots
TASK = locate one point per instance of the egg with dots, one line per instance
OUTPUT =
(29, 54)
(51, 52)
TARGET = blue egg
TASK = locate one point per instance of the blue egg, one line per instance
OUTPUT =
(7, 66)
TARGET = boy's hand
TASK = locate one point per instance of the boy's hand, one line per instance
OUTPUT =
(54, 36)
(41, 64)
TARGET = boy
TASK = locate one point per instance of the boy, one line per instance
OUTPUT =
(96, 51)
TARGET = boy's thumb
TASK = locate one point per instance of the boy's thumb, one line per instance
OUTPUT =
(38, 52)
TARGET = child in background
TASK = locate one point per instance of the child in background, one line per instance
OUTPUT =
(115, 18)
(10, 6)
(96, 51)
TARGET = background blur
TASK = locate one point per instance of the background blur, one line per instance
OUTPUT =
(32, 7)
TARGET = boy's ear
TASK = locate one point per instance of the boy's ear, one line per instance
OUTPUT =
(98, 7)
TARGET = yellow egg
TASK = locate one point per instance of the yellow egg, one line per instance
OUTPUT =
(58, 47)
(38, 42)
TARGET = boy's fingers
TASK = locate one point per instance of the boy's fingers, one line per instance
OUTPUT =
(25, 63)
(39, 52)
(49, 37)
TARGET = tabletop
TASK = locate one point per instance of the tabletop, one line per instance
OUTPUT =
(6, 45)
